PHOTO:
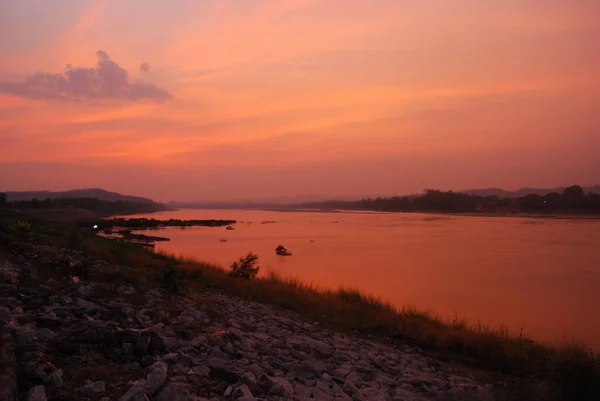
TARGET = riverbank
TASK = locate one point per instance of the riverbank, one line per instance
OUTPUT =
(498, 359)
(566, 216)
(109, 330)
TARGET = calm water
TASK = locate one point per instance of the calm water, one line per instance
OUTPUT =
(539, 274)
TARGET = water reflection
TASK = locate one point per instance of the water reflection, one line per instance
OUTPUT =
(540, 274)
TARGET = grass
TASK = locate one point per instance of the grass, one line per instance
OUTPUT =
(573, 368)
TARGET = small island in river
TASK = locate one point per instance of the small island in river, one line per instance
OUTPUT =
(144, 223)
(121, 228)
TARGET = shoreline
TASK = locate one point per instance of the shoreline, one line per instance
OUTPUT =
(558, 216)
(489, 350)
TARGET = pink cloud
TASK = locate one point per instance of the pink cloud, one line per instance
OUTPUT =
(106, 80)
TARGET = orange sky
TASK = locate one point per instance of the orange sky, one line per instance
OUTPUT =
(258, 99)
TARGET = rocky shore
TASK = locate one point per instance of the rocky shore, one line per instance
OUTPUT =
(71, 330)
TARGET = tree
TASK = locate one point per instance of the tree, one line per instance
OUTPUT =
(532, 202)
(573, 195)
(2, 199)
(553, 200)
(246, 267)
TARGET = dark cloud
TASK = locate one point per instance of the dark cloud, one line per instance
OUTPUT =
(144, 67)
(106, 80)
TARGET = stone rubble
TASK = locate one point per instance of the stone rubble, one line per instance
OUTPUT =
(80, 339)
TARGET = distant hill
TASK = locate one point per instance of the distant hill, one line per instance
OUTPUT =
(95, 193)
(502, 193)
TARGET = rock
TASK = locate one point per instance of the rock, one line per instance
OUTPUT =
(350, 388)
(37, 393)
(224, 374)
(330, 390)
(191, 315)
(276, 386)
(301, 390)
(170, 343)
(25, 335)
(54, 380)
(234, 334)
(243, 391)
(198, 341)
(5, 314)
(373, 394)
(200, 370)
(85, 290)
(127, 336)
(92, 389)
(216, 353)
(316, 365)
(324, 390)
(131, 366)
(342, 372)
(157, 376)
(141, 347)
(87, 305)
(249, 378)
(256, 370)
(301, 370)
(317, 346)
(178, 369)
(147, 360)
(128, 348)
(139, 388)
(9, 276)
(228, 391)
(174, 392)
(172, 357)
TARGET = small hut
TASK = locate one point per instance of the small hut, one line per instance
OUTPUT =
(280, 250)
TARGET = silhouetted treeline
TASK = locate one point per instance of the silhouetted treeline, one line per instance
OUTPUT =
(572, 200)
(101, 207)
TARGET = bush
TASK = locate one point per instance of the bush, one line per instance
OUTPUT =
(172, 279)
(22, 230)
(246, 267)
(75, 240)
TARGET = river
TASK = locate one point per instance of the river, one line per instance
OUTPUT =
(539, 274)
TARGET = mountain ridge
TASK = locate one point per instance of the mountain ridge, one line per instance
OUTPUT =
(96, 193)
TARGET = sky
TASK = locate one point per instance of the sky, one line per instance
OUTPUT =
(262, 99)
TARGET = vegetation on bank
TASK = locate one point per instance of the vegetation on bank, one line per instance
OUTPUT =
(572, 367)
(572, 200)
(102, 208)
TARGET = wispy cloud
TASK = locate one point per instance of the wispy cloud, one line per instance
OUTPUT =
(106, 80)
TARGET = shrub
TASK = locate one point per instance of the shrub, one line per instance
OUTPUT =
(171, 277)
(75, 240)
(22, 230)
(247, 267)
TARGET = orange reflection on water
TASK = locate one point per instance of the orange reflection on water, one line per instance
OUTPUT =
(539, 274)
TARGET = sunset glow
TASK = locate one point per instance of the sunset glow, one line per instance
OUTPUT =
(257, 99)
